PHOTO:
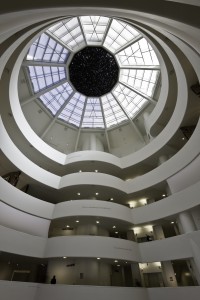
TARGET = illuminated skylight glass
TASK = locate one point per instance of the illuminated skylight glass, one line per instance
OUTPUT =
(47, 49)
(113, 113)
(56, 98)
(43, 77)
(142, 80)
(137, 71)
(119, 34)
(73, 110)
(94, 28)
(69, 32)
(93, 114)
(139, 53)
(130, 101)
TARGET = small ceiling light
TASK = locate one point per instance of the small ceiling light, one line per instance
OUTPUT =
(98, 258)
(77, 221)
(172, 222)
(67, 226)
(97, 222)
(111, 199)
(126, 262)
(116, 261)
(80, 171)
(116, 232)
(163, 195)
(183, 138)
(96, 171)
(96, 194)
(78, 194)
(64, 257)
(114, 226)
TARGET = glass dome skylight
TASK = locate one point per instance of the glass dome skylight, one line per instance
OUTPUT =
(48, 62)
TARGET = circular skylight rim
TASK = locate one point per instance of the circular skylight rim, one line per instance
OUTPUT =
(137, 78)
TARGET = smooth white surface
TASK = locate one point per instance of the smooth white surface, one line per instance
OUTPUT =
(13, 241)
(23, 163)
(92, 246)
(20, 221)
(92, 208)
(18, 290)
(33, 291)
(183, 293)
(97, 246)
(24, 202)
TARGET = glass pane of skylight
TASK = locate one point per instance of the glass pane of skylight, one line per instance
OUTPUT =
(94, 28)
(73, 110)
(142, 80)
(69, 32)
(55, 98)
(139, 53)
(93, 117)
(119, 35)
(112, 111)
(130, 101)
(43, 77)
(47, 49)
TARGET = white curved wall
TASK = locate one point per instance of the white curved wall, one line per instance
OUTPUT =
(92, 246)
(24, 202)
(177, 247)
(33, 291)
(20, 221)
(168, 206)
(13, 241)
(85, 246)
(92, 208)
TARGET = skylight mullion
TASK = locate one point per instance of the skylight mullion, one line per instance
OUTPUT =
(80, 25)
(37, 45)
(36, 77)
(110, 112)
(42, 63)
(105, 125)
(140, 67)
(37, 95)
(47, 74)
(67, 30)
(50, 34)
(70, 32)
(114, 40)
(142, 52)
(150, 52)
(95, 26)
(45, 48)
(80, 125)
(55, 117)
(121, 106)
(130, 119)
(54, 50)
(106, 32)
(138, 92)
(73, 38)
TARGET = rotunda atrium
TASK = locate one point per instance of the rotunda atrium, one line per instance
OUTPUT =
(99, 156)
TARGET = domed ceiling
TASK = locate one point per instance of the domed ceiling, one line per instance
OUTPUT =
(93, 71)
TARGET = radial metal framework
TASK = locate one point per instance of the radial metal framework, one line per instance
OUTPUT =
(47, 62)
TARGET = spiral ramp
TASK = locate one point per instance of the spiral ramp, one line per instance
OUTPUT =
(85, 215)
